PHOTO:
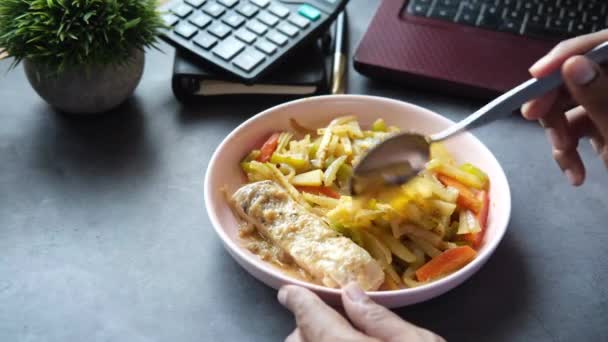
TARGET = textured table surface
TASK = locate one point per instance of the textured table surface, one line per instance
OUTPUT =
(104, 235)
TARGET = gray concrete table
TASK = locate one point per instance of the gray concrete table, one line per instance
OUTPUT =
(104, 235)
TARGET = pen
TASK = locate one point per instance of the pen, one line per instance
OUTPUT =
(339, 60)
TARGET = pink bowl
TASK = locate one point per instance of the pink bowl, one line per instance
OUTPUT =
(224, 172)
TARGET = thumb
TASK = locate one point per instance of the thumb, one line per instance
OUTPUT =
(316, 321)
(588, 85)
(377, 321)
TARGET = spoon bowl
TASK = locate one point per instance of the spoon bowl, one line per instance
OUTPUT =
(394, 161)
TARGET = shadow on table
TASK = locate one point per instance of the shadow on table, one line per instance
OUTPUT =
(239, 110)
(427, 94)
(483, 308)
(107, 145)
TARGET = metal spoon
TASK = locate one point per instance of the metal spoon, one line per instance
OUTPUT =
(403, 156)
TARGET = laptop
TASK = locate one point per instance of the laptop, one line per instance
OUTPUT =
(477, 48)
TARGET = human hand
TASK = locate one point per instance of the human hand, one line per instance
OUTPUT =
(577, 110)
(317, 322)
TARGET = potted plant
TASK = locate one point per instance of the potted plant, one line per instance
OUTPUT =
(81, 56)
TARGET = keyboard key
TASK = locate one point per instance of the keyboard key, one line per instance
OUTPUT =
(467, 18)
(277, 38)
(200, 20)
(234, 20)
(509, 25)
(248, 10)
(279, 11)
(299, 21)
(228, 3)
(249, 59)
(593, 7)
(266, 47)
(309, 12)
(536, 20)
(448, 3)
(593, 18)
(595, 28)
(219, 30)
(246, 36)
(492, 10)
(228, 48)
(169, 19)
(581, 28)
(515, 15)
(268, 19)
(471, 6)
(214, 10)
(569, 3)
(261, 3)
(186, 30)
(558, 25)
(182, 10)
(257, 27)
(530, 7)
(418, 9)
(547, 10)
(205, 40)
(288, 29)
(195, 3)
(443, 12)
(489, 18)
(571, 14)
(508, 4)
(469, 14)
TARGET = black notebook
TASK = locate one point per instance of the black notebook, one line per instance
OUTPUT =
(304, 73)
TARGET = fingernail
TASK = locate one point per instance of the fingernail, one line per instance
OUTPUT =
(583, 72)
(595, 145)
(355, 293)
(539, 64)
(571, 176)
(282, 296)
(524, 109)
(553, 137)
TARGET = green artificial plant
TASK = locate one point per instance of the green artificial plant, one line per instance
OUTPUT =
(63, 34)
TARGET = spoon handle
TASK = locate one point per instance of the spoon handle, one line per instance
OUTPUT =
(516, 97)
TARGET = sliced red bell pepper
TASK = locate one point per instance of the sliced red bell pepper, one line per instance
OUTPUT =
(466, 198)
(447, 262)
(319, 190)
(268, 148)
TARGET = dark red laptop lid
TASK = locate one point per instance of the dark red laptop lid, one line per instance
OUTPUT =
(444, 56)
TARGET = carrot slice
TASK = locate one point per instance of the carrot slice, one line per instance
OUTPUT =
(466, 198)
(482, 217)
(446, 262)
(319, 190)
(268, 148)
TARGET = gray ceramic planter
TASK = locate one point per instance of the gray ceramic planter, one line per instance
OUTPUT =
(80, 92)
